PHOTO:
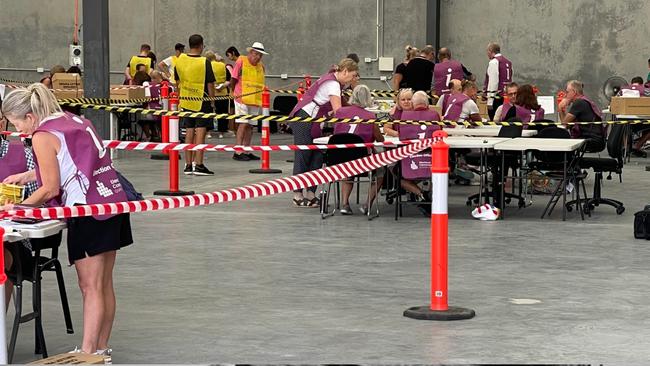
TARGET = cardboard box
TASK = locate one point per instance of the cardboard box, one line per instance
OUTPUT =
(71, 359)
(630, 106)
(68, 94)
(483, 109)
(125, 92)
(67, 81)
(67, 86)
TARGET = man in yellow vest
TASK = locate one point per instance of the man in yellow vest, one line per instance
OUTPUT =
(143, 58)
(167, 65)
(248, 80)
(195, 79)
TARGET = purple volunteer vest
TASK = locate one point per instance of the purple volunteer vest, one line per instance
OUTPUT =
(576, 131)
(419, 115)
(639, 88)
(309, 96)
(455, 107)
(91, 159)
(14, 161)
(364, 130)
(505, 75)
(154, 90)
(524, 114)
(443, 73)
(417, 166)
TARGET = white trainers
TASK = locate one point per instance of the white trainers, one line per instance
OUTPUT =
(107, 353)
(486, 212)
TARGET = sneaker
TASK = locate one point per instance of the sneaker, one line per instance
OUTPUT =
(486, 212)
(188, 169)
(202, 170)
(241, 157)
(346, 210)
(77, 350)
(363, 209)
(220, 135)
(107, 354)
(252, 157)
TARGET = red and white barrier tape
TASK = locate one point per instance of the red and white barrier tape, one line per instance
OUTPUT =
(272, 187)
(152, 146)
(169, 146)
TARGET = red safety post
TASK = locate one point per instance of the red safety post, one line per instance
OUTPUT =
(266, 136)
(438, 308)
(301, 91)
(3, 280)
(307, 82)
(172, 137)
(164, 103)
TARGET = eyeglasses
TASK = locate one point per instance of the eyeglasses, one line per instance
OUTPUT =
(514, 94)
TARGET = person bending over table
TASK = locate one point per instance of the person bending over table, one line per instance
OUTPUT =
(360, 100)
(323, 97)
(73, 168)
(576, 107)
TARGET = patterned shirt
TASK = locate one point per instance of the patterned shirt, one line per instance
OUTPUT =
(30, 187)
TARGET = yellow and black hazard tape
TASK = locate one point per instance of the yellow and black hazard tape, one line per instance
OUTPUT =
(287, 119)
(109, 101)
(383, 94)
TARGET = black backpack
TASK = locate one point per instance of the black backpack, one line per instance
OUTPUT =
(642, 224)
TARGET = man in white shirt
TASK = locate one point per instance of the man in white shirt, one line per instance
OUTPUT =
(167, 65)
(498, 75)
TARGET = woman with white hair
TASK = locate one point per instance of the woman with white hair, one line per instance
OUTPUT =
(360, 100)
(74, 168)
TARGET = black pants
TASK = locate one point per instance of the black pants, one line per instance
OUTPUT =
(221, 106)
(305, 160)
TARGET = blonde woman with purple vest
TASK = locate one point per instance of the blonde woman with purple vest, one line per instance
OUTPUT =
(322, 99)
(73, 168)
(404, 97)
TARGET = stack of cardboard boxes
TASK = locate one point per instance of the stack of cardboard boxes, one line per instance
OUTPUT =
(67, 86)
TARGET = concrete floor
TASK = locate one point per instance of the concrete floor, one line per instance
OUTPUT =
(260, 281)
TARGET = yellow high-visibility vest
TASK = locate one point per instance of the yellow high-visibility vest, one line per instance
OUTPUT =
(252, 79)
(172, 77)
(219, 70)
(135, 60)
(191, 71)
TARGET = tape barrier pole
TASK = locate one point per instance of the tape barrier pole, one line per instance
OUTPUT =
(266, 137)
(3, 283)
(173, 154)
(164, 123)
(438, 309)
(268, 188)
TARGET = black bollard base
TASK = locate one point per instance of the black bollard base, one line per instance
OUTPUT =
(173, 194)
(425, 313)
(265, 171)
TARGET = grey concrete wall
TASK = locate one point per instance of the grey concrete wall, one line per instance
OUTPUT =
(303, 36)
(552, 41)
(549, 41)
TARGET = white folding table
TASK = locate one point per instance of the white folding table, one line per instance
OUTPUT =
(488, 131)
(551, 145)
(16, 232)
